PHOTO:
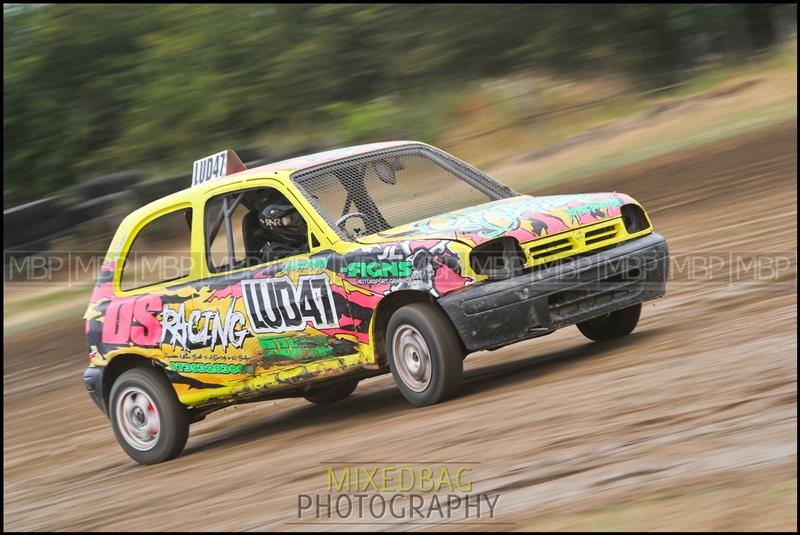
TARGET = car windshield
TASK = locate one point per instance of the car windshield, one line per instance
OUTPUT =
(385, 189)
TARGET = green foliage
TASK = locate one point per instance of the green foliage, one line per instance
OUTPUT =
(91, 89)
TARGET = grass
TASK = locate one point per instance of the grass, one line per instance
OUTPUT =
(511, 139)
(621, 156)
(785, 59)
(771, 100)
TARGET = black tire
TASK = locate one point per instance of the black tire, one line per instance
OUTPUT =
(332, 393)
(613, 325)
(173, 418)
(445, 355)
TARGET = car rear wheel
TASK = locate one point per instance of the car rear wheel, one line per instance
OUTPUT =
(613, 325)
(425, 354)
(332, 393)
(149, 422)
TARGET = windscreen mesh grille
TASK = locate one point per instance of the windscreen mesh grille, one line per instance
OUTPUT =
(394, 187)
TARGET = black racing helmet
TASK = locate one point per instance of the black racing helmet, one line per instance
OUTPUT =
(283, 222)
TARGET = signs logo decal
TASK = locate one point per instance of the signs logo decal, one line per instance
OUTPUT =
(378, 270)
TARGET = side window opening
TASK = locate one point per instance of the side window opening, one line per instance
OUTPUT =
(251, 227)
(160, 252)
(224, 240)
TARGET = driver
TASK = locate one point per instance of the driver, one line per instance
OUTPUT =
(354, 179)
(286, 230)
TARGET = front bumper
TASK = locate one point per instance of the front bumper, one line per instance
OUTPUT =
(93, 381)
(494, 314)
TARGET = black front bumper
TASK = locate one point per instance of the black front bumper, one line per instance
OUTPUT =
(494, 314)
(93, 381)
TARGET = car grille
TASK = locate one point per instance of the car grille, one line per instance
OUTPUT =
(594, 295)
(572, 242)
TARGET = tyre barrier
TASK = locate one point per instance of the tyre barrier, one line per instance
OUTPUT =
(107, 184)
(33, 225)
(32, 221)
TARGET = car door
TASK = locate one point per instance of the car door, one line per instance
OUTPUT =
(154, 290)
(262, 315)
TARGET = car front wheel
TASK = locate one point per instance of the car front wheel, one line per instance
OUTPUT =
(424, 353)
(149, 422)
(613, 325)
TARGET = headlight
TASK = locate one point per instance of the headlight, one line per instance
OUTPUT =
(634, 218)
(498, 259)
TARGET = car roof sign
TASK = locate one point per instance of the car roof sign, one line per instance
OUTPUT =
(215, 166)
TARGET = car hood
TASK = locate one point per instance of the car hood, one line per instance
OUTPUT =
(523, 217)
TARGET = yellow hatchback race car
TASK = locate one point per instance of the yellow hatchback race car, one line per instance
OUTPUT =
(303, 277)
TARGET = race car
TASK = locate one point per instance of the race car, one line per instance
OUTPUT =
(302, 277)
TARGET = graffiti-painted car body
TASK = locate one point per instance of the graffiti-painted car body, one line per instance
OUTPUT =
(229, 328)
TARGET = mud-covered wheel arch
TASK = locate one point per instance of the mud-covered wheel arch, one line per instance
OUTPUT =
(122, 363)
(387, 306)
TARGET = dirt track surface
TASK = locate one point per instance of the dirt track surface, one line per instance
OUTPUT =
(690, 422)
